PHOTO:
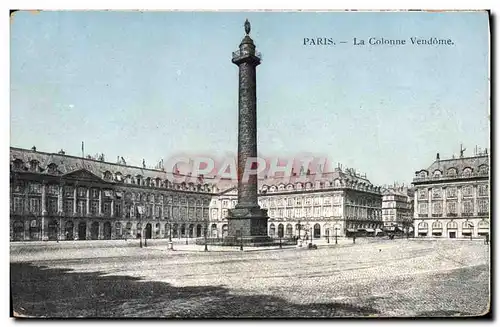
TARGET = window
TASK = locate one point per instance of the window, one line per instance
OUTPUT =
(436, 193)
(82, 192)
(467, 172)
(290, 202)
(308, 201)
(118, 209)
(451, 208)
(436, 174)
(69, 191)
(452, 225)
(483, 189)
(95, 193)
(483, 169)
(94, 207)
(452, 172)
(483, 206)
(437, 209)
(68, 206)
(18, 204)
(107, 208)
(33, 165)
(467, 208)
(422, 194)
(224, 213)
(467, 191)
(298, 201)
(81, 207)
(451, 192)
(422, 208)
(35, 188)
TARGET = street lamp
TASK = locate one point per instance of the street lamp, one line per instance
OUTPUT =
(206, 229)
(140, 210)
(336, 234)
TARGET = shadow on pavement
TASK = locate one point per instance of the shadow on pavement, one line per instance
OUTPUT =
(41, 292)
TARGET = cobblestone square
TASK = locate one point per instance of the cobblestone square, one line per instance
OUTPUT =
(376, 278)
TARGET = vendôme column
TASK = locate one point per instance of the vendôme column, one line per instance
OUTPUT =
(247, 221)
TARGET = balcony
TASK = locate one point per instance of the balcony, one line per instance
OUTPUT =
(239, 53)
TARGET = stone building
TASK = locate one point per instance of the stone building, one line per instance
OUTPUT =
(56, 196)
(452, 198)
(59, 197)
(397, 208)
(338, 203)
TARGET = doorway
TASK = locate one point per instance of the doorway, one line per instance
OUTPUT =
(148, 231)
(82, 231)
(453, 234)
(107, 230)
(94, 231)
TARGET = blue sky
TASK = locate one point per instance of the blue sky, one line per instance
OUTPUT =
(153, 84)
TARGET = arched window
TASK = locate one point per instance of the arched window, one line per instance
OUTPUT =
(437, 173)
(52, 168)
(467, 224)
(484, 169)
(437, 225)
(423, 226)
(422, 174)
(281, 187)
(107, 175)
(289, 230)
(289, 187)
(280, 230)
(451, 225)
(337, 183)
(452, 172)
(18, 164)
(118, 229)
(272, 230)
(298, 186)
(118, 177)
(317, 231)
(467, 172)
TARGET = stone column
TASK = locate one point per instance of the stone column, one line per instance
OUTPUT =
(429, 201)
(474, 200)
(87, 204)
(100, 202)
(44, 199)
(247, 219)
(74, 200)
(112, 209)
(27, 230)
(459, 201)
(60, 200)
(44, 210)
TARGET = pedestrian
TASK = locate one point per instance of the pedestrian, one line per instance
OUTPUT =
(354, 239)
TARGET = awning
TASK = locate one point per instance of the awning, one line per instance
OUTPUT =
(361, 229)
(351, 230)
(370, 230)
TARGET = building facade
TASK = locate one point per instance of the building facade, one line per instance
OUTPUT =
(61, 197)
(452, 198)
(397, 208)
(339, 203)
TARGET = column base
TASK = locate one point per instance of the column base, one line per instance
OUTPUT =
(247, 222)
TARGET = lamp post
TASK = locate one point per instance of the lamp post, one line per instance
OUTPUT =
(311, 231)
(336, 234)
(140, 209)
(206, 230)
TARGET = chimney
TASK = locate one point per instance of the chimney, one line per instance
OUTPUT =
(33, 148)
(437, 156)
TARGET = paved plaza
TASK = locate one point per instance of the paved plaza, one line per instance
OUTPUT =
(375, 278)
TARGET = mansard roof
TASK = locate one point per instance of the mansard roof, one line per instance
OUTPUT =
(459, 163)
